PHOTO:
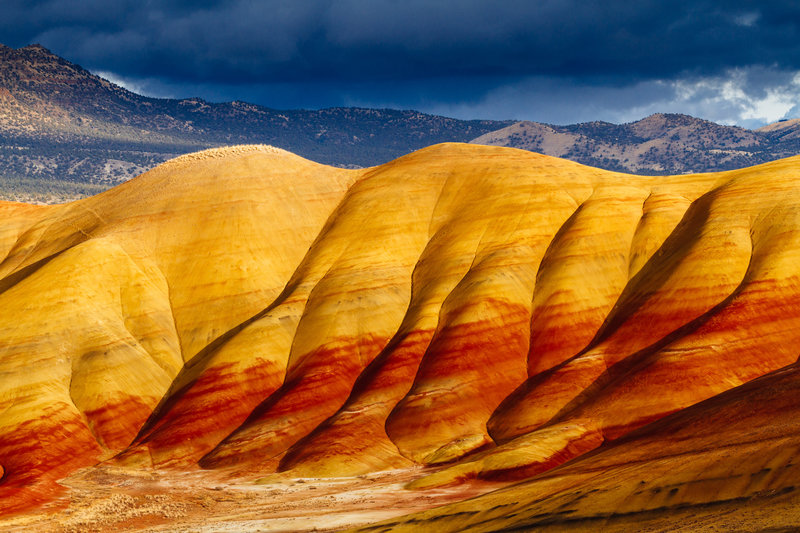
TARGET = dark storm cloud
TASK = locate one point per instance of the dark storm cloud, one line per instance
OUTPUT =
(554, 60)
(362, 40)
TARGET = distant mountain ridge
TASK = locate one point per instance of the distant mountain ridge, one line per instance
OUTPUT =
(67, 133)
(60, 123)
(662, 143)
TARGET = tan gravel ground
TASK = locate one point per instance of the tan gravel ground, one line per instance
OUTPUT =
(107, 499)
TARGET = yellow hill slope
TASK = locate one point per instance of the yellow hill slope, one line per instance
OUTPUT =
(108, 297)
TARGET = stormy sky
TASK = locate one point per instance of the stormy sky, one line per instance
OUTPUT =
(555, 61)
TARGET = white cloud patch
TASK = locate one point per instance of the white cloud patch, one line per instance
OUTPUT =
(144, 87)
(738, 97)
(747, 19)
(749, 97)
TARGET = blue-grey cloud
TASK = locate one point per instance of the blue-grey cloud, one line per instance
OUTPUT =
(456, 53)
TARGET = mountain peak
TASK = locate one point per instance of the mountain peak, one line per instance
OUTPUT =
(650, 145)
(671, 119)
(41, 79)
(780, 125)
(48, 102)
(31, 50)
(35, 46)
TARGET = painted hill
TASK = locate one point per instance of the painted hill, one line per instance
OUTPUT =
(660, 144)
(474, 314)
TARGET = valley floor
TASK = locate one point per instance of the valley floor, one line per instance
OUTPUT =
(104, 499)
